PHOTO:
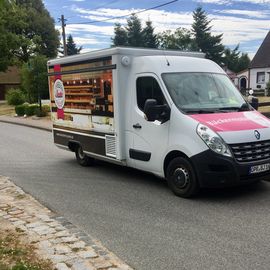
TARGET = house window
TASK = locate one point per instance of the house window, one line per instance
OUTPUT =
(260, 77)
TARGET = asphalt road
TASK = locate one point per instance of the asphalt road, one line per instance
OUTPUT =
(135, 215)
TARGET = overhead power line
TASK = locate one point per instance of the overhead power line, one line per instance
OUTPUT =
(126, 15)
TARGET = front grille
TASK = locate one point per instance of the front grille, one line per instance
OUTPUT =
(253, 151)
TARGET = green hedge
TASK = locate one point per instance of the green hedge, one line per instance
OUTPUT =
(15, 97)
(31, 109)
(20, 109)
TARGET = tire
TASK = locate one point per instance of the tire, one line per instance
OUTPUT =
(181, 178)
(82, 158)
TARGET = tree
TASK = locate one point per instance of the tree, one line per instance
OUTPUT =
(149, 38)
(205, 41)
(72, 47)
(34, 79)
(181, 39)
(243, 62)
(134, 32)
(233, 61)
(9, 41)
(120, 36)
(33, 28)
(231, 57)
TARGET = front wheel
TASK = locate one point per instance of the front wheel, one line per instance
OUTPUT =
(181, 178)
(82, 158)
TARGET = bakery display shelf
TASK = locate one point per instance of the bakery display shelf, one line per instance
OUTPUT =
(78, 94)
(78, 86)
(79, 111)
(77, 101)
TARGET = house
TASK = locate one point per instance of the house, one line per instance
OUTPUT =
(259, 68)
(258, 73)
(9, 79)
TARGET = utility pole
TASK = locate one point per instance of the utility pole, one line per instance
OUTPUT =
(63, 21)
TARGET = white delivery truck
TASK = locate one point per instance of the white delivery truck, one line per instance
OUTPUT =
(174, 114)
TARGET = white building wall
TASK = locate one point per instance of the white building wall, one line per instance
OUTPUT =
(253, 78)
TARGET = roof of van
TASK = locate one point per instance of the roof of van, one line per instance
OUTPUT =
(123, 51)
(159, 64)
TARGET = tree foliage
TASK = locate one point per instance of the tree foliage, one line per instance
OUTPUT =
(120, 36)
(234, 61)
(181, 39)
(149, 38)
(10, 19)
(34, 79)
(72, 47)
(134, 35)
(26, 29)
(134, 32)
(205, 41)
(38, 35)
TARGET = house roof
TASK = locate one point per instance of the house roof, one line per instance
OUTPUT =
(11, 76)
(262, 57)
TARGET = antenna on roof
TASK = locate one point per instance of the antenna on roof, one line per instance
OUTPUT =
(167, 61)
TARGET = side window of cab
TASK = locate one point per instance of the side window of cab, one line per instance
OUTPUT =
(148, 88)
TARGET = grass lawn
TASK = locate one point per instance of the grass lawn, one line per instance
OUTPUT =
(17, 254)
(6, 109)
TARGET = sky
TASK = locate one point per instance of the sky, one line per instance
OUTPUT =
(243, 22)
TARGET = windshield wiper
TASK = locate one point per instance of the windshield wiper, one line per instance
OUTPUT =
(242, 108)
(201, 111)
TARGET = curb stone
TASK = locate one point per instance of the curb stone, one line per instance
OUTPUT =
(56, 238)
(16, 122)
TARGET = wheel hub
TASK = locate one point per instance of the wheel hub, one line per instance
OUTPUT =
(81, 153)
(181, 177)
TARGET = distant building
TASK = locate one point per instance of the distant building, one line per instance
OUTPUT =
(241, 80)
(258, 73)
(259, 68)
(9, 79)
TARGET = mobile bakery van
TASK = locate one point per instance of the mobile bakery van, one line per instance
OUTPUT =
(174, 114)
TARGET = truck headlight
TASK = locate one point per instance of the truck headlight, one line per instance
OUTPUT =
(213, 140)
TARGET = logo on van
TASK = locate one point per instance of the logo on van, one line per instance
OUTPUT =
(257, 134)
(59, 94)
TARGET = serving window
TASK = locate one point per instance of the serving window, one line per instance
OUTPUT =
(88, 92)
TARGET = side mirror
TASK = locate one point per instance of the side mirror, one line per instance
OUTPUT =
(156, 112)
(254, 102)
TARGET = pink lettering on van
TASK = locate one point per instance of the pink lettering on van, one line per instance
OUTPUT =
(233, 121)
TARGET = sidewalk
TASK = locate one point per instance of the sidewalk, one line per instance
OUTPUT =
(55, 239)
(43, 123)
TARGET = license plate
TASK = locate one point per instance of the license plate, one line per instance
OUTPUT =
(259, 168)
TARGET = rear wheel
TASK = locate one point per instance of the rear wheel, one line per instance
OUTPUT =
(82, 158)
(182, 178)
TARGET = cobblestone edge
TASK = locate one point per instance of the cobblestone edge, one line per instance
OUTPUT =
(55, 237)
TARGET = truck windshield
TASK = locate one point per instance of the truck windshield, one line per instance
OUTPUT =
(204, 93)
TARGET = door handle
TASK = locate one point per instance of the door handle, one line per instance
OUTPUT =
(137, 126)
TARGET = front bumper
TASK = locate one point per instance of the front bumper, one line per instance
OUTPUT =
(214, 170)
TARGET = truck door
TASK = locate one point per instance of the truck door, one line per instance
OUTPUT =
(149, 138)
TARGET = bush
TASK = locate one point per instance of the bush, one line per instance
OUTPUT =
(40, 113)
(30, 110)
(20, 109)
(46, 108)
(15, 97)
(268, 88)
